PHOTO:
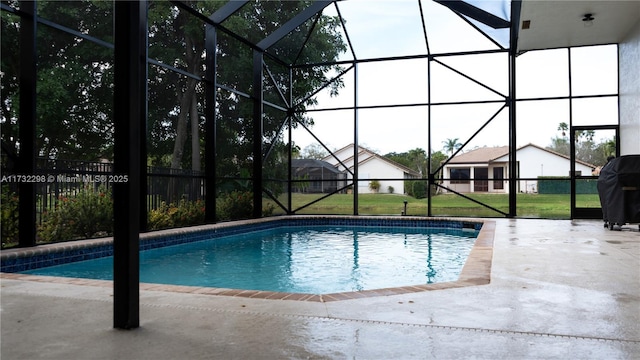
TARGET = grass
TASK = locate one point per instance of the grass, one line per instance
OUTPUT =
(528, 205)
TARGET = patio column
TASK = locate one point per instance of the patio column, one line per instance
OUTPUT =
(516, 6)
(27, 125)
(129, 137)
(257, 133)
(210, 88)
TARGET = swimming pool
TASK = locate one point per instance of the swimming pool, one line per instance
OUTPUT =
(315, 260)
(349, 263)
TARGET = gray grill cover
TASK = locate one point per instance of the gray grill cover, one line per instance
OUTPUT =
(619, 190)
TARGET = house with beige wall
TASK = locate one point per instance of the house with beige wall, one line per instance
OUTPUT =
(486, 169)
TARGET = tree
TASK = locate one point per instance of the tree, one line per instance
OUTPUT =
(74, 78)
(586, 148)
(609, 148)
(451, 145)
(415, 159)
(172, 125)
(564, 128)
(314, 151)
(9, 81)
(437, 158)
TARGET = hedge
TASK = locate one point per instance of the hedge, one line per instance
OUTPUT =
(562, 185)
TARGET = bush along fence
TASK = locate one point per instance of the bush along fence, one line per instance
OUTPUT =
(66, 178)
(76, 201)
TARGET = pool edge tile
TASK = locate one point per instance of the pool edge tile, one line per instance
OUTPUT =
(476, 270)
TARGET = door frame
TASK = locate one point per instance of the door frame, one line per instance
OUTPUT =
(578, 212)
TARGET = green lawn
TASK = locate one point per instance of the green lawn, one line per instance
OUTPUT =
(528, 205)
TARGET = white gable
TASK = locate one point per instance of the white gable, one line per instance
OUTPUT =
(535, 162)
(370, 167)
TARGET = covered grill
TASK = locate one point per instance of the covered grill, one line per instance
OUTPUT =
(619, 190)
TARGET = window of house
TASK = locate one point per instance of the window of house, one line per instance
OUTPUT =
(498, 176)
(480, 175)
(460, 175)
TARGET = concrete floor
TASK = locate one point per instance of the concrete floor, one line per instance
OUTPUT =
(559, 289)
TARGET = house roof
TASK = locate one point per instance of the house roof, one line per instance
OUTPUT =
(313, 163)
(480, 155)
(490, 154)
(373, 155)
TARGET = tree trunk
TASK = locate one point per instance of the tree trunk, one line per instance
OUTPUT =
(195, 136)
(181, 129)
(188, 102)
(195, 149)
(181, 138)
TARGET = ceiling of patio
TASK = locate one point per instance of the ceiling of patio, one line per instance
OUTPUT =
(555, 24)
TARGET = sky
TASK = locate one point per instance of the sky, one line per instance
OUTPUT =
(393, 28)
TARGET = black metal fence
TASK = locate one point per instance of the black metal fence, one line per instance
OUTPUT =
(57, 179)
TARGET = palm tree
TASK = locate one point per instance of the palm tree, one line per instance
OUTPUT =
(451, 145)
(564, 128)
(610, 147)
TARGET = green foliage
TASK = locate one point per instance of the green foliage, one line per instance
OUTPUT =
(451, 145)
(416, 188)
(160, 218)
(391, 189)
(314, 151)
(9, 81)
(586, 149)
(75, 80)
(417, 160)
(419, 189)
(437, 158)
(184, 213)
(562, 185)
(235, 205)
(268, 209)
(74, 84)
(88, 214)
(238, 205)
(9, 209)
(374, 185)
(170, 29)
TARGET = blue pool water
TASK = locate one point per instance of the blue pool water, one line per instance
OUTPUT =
(315, 260)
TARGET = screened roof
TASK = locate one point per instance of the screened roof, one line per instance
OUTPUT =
(377, 29)
(385, 29)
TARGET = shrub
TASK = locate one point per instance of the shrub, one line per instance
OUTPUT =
(391, 189)
(185, 213)
(235, 205)
(88, 214)
(160, 218)
(189, 213)
(408, 187)
(268, 209)
(374, 185)
(9, 212)
(419, 189)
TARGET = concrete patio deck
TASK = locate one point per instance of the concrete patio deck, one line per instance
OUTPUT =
(559, 289)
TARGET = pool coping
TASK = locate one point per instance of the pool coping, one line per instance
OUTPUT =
(476, 270)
